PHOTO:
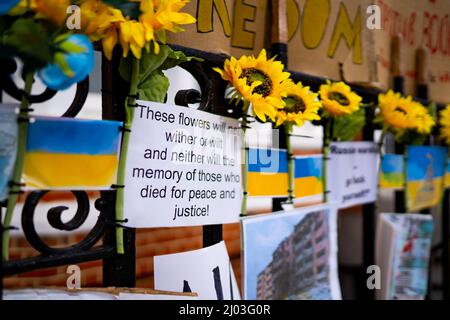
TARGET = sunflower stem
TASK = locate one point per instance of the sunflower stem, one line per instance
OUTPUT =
(327, 132)
(130, 101)
(405, 182)
(18, 166)
(380, 143)
(288, 128)
(244, 159)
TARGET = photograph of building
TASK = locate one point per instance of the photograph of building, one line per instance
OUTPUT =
(299, 268)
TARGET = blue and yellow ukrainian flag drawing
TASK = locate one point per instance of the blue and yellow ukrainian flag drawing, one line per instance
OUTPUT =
(65, 153)
(267, 172)
(391, 171)
(308, 176)
(425, 169)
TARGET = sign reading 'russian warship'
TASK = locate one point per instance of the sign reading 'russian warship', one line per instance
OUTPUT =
(352, 173)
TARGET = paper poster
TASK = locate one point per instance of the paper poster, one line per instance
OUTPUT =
(352, 173)
(8, 145)
(392, 171)
(267, 172)
(309, 178)
(403, 252)
(206, 271)
(447, 174)
(71, 154)
(94, 294)
(425, 167)
(183, 168)
(291, 255)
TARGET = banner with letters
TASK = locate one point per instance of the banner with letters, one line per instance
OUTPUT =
(322, 34)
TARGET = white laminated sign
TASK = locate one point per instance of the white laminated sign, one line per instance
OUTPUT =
(352, 173)
(183, 168)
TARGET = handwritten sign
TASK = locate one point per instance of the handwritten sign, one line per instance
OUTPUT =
(352, 173)
(322, 33)
(183, 168)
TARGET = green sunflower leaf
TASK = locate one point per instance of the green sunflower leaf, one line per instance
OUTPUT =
(346, 128)
(28, 40)
(130, 9)
(153, 84)
(148, 63)
(154, 88)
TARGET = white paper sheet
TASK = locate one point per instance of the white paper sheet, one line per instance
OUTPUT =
(352, 174)
(205, 271)
(183, 168)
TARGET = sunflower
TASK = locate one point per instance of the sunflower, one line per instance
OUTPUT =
(301, 105)
(258, 81)
(111, 26)
(53, 10)
(397, 112)
(444, 122)
(338, 99)
(424, 122)
(22, 7)
(104, 22)
(163, 15)
(100, 21)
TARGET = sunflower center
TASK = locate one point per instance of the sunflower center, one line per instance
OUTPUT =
(294, 104)
(339, 97)
(253, 75)
(400, 110)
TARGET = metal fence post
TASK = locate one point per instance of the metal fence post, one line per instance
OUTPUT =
(446, 245)
(369, 215)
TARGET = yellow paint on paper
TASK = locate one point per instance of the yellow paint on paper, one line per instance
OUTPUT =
(447, 180)
(308, 186)
(423, 194)
(267, 184)
(50, 170)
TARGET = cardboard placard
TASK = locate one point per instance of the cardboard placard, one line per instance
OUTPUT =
(323, 33)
